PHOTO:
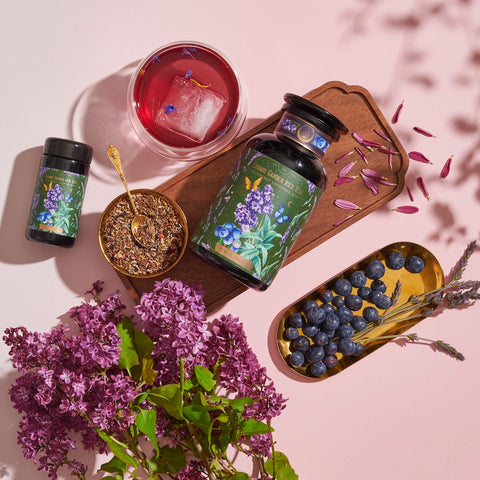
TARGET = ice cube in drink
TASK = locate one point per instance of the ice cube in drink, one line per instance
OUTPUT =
(189, 109)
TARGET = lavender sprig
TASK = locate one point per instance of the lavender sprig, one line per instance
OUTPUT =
(455, 294)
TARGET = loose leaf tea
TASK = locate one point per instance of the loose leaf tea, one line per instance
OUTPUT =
(126, 253)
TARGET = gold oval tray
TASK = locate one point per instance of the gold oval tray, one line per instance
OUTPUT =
(430, 278)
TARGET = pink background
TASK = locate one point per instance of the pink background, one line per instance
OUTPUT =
(402, 412)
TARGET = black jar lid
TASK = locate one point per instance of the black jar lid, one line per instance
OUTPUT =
(61, 147)
(314, 114)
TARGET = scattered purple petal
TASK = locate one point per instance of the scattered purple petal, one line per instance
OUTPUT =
(384, 181)
(346, 204)
(346, 169)
(423, 187)
(406, 209)
(343, 220)
(345, 155)
(370, 184)
(381, 134)
(388, 150)
(362, 155)
(423, 132)
(373, 174)
(446, 168)
(343, 180)
(419, 157)
(396, 115)
(410, 196)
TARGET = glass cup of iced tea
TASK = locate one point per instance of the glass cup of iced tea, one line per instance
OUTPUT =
(186, 101)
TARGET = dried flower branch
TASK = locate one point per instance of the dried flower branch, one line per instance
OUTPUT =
(455, 294)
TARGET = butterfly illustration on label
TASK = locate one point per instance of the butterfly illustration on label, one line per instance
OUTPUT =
(280, 214)
(253, 185)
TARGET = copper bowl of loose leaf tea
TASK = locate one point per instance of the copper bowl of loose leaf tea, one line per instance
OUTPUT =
(124, 253)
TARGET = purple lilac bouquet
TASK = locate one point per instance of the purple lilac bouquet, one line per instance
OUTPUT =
(168, 393)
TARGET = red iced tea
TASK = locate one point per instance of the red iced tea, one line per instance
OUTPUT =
(200, 65)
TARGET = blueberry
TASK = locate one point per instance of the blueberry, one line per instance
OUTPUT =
(320, 338)
(309, 304)
(217, 230)
(346, 346)
(358, 349)
(329, 308)
(364, 292)
(338, 301)
(383, 302)
(296, 320)
(310, 330)
(228, 240)
(297, 359)
(378, 286)
(301, 344)
(358, 323)
(375, 269)
(353, 302)
(330, 361)
(236, 233)
(316, 315)
(345, 331)
(229, 225)
(318, 369)
(342, 287)
(326, 296)
(291, 333)
(223, 232)
(315, 353)
(374, 297)
(344, 314)
(358, 279)
(331, 322)
(414, 264)
(331, 348)
(395, 260)
(330, 333)
(370, 314)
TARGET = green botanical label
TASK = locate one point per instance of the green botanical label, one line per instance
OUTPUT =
(254, 221)
(57, 201)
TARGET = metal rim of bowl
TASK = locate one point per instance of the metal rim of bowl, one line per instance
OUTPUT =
(178, 211)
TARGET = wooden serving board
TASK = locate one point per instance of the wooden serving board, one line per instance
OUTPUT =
(195, 188)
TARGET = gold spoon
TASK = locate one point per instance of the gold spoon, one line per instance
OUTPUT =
(142, 228)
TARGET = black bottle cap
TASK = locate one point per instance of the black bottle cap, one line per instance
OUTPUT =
(314, 114)
(60, 147)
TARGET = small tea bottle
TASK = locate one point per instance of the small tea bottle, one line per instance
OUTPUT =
(59, 191)
(256, 217)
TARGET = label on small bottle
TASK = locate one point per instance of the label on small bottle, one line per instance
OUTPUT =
(57, 202)
(254, 221)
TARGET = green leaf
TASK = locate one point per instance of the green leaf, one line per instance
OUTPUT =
(170, 460)
(128, 353)
(168, 397)
(148, 373)
(117, 448)
(199, 416)
(240, 476)
(239, 403)
(205, 378)
(113, 466)
(283, 469)
(252, 427)
(143, 343)
(145, 421)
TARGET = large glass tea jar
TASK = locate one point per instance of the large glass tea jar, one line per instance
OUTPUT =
(256, 217)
